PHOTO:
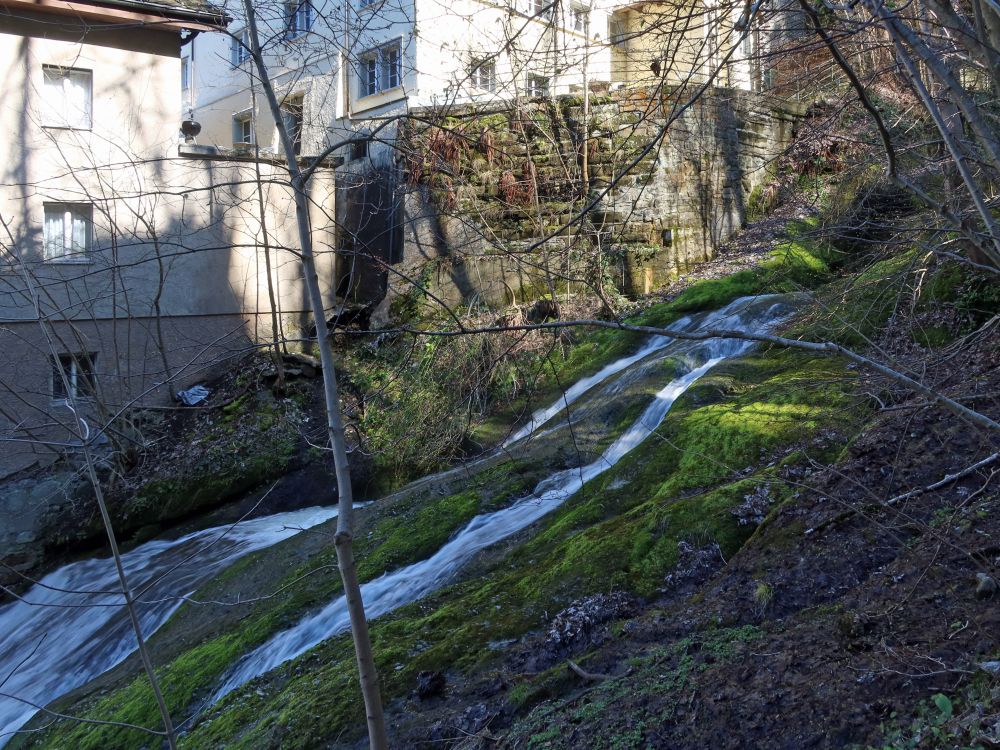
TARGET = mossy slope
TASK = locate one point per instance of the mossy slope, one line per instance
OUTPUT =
(722, 439)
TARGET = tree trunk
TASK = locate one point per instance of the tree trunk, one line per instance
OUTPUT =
(335, 424)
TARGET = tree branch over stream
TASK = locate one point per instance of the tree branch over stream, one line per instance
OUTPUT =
(817, 347)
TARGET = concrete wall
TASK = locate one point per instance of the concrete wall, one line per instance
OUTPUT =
(174, 277)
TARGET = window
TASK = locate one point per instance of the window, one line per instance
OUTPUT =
(369, 75)
(298, 18)
(242, 129)
(73, 376)
(541, 8)
(391, 71)
(483, 75)
(617, 33)
(292, 115)
(239, 48)
(359, 148)
(380, 69)
(68, 97)
(185, 74)
(67, 230)
(366, 3)
(537, 85)
(579, 18)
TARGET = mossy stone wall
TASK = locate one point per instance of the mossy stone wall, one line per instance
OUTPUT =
(487, 202)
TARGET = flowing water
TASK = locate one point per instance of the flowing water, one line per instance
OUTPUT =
(582, 386)
(408, 584)
(70, 628)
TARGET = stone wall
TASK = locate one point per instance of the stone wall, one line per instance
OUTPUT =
(30, 509)
(487, 203)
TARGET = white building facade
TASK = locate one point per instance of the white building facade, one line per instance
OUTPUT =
(342, 68)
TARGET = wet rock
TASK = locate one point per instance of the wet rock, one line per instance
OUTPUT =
(574, 623)
(986, 586)
(430, 684)
(474, 719)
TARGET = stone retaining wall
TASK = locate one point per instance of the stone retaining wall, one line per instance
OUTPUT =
(483, 198)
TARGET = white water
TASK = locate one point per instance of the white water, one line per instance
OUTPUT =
(540, 417)
(71, 627)
(415, 581)
(59, 639)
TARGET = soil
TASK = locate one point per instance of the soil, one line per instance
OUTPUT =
(834, 626)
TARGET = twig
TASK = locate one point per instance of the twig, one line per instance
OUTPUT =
(947, 479)
(583, 674)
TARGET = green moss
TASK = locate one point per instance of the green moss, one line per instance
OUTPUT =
(799, 263)
(221, 476)
(852, 309)
(943, 284)
(724, 439)
(933, 337)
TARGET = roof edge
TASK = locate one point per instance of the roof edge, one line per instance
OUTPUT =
(166, 15)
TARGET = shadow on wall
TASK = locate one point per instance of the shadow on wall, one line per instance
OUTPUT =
(369, 231)
(168, 288)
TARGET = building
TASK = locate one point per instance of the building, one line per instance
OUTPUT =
(127, 270)
(343, 68)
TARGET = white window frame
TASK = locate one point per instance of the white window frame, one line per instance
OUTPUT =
(578, 18)
(538, 85)
(76, 376)
(483, 74)
(239, 48)
(299, 18)
(58, 94)
(59, 246)
(185, 74)
(378, 71)
(243, 128)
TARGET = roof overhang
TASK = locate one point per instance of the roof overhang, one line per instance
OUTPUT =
(152, 14)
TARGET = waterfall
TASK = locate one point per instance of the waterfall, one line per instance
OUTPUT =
(70, 627)
(397, 588)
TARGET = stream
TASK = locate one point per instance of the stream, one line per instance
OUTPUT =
(397, 588)
(70, 627)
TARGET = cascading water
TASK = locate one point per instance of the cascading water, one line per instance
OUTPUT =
(582, 386)
(413, 582)
(70, 627)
